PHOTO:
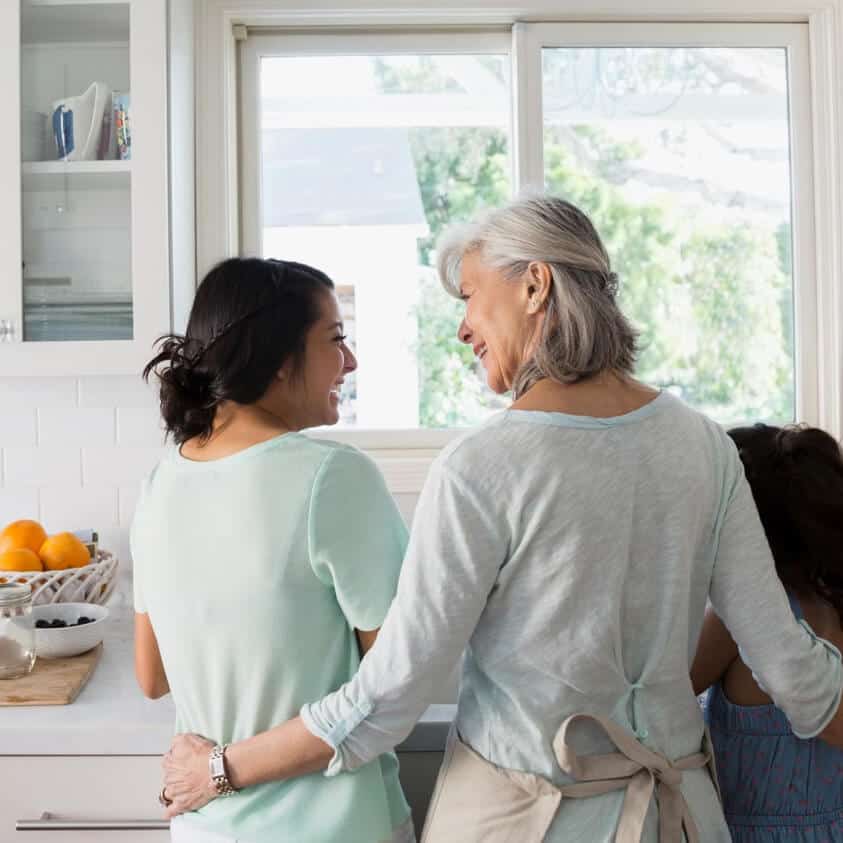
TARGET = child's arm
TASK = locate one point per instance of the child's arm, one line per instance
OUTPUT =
(716, 650)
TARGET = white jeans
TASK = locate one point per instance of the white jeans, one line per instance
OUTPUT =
(182, 831)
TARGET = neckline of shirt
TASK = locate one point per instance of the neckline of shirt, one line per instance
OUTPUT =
(586, 422)
(230, 459)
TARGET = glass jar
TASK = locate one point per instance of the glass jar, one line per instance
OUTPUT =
(17, 631)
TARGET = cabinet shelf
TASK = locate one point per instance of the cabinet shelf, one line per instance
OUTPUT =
(86, 175)
(71, 168)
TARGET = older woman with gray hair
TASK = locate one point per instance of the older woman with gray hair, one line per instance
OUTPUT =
(568, 548)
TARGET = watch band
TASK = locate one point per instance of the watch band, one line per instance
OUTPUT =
(219, 777)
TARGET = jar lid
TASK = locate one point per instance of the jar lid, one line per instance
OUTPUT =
(12, 594)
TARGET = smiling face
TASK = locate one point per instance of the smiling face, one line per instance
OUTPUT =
(502, 318)
(313, 393)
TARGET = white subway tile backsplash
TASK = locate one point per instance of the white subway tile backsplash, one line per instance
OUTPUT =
(116, 391)
(118, 466)
(139, 426)
(77, 426)
(38, 392)
(17, 427)
(68, 508)
(16, 503)
(43, 466)
(59, 458)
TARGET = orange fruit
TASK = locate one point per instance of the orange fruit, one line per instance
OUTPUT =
(63, 550)
(25, 533)
(20, 559)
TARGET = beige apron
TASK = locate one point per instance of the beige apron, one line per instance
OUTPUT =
(476, 801)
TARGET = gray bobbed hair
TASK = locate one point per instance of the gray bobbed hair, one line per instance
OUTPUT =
(584, 331)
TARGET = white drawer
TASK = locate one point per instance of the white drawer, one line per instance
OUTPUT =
(111, 798)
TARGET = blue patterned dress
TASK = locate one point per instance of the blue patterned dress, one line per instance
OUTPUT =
(776, 787)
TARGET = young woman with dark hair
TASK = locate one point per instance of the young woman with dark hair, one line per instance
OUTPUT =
(777, 786)
(264, 561)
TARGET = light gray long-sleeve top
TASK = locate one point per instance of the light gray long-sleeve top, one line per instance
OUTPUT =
(571, 557)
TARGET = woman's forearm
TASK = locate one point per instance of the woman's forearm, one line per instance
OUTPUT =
(453, 559)
(282, 752)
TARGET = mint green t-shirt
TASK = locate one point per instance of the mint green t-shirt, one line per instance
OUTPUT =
(255, 570)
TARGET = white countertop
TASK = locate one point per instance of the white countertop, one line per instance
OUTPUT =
(111, 716)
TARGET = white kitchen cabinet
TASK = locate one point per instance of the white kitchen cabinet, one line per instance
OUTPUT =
(112, 798)
(84, 242)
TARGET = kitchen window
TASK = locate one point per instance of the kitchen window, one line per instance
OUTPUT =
(688, 144)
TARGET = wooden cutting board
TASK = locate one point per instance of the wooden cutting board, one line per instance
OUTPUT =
(52, 681)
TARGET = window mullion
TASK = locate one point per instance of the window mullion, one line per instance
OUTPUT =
(528, 153)
(249, 140)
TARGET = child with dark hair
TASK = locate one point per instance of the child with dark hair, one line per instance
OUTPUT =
(777, 786)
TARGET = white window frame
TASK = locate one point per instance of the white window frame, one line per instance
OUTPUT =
(816, 152)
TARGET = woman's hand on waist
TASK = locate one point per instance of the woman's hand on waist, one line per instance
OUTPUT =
(187, 778)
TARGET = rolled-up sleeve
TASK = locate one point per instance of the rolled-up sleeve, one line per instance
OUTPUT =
(800, 671)
(457, 546)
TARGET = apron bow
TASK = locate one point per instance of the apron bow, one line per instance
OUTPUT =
(637, 770)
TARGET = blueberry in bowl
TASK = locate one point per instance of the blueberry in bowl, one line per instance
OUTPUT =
(67, 629)
(58, 623)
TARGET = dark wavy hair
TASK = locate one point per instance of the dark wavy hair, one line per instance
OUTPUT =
(249, 317)
(796, 477)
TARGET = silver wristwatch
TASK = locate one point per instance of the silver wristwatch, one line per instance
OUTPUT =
(219, 777)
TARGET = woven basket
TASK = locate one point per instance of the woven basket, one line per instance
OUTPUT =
(90, 584)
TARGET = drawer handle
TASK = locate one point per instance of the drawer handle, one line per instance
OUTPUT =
(50, 822)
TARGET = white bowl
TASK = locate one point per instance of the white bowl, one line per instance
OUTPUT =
(62, 642)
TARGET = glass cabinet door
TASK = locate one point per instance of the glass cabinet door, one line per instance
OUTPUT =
(76, 172)
(84, 210)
